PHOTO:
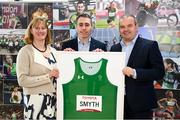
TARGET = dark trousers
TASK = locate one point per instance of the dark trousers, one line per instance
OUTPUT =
(129, 114)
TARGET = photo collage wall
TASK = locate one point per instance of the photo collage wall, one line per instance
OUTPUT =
(161, 18)
(157, 19)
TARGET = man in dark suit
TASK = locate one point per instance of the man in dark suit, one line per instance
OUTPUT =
(144, 64)
(84, 41)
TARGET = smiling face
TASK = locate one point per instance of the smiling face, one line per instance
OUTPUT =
(15, 89)
(169, 94)
(39, 30)
(80, 8)
(84, 28)
(9, 59)
(128, 28)
(167, 66)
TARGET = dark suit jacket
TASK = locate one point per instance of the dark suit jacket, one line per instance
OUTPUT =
(94, 44)
(146, 59)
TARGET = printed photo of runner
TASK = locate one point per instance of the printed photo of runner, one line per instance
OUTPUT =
(108, 13)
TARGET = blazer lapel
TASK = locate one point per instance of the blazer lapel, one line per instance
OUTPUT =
(119, 47)
(75, 44)
(134, 51)
(92, 45)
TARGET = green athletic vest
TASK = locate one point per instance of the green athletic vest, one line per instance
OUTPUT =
(168, 80)
(112, 13)
(90, 95)
(12, 69)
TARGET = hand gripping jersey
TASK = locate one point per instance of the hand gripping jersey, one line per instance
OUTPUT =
(90, 95)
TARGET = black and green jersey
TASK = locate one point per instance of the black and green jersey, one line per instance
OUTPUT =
(73, 21)
(112, 13)
(90, 95)
(169, 80)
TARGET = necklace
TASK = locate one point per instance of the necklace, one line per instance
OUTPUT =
(39, 49)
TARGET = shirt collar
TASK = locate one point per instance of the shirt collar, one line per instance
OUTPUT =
(79, 41)
(132, 42)
(39, 58)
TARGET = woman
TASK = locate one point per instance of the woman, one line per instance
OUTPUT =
(168, 105)
(16, 96)
(36, 71)
(9, 67)
(169, 79)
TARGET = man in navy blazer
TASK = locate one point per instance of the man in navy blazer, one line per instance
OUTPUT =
(144, 64)
(84, 42)
(94, 44)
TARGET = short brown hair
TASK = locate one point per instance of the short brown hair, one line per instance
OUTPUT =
(29, 37)
(84, 15)
(81, 2)
(126, 16)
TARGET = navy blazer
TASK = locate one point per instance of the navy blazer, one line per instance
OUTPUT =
(94, 44)
(146, 59)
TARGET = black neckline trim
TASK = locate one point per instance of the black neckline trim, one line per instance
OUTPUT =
(39, 49)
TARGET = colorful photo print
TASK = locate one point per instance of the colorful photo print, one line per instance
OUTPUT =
(77, 7)
(12, 93)
(9, 67)
(60, 36)
(108, 13)
(11, 41)
(73, 33)
(1, 68)
(160, 13)
(169, 42)
(168, 105)
(1, 17)
(13, 112)
(148, 32)
(171, 79)
(1, 92)
(41, 10)
(61, 15)
(14, 15)
(107, 36)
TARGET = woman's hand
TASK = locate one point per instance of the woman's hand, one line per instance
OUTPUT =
(54, 73)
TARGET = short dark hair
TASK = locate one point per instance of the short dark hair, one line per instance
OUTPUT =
(129, 15)
(85, 15)
(80, 2)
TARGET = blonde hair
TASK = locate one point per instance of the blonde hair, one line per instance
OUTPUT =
(28, 35)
